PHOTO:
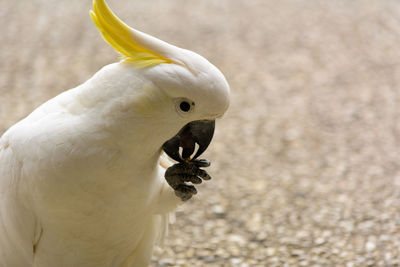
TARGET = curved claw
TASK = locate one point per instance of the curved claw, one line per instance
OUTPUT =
(203, 175)
(201, 163)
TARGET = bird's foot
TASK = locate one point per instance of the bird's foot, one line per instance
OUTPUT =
(180, 174)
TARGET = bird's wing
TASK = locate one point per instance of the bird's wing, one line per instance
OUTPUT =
(17, 222)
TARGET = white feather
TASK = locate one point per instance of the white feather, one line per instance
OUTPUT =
(80, 178)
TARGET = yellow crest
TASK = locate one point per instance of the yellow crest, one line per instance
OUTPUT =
(120, 36)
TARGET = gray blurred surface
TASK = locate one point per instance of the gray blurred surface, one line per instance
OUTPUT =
(306, 162)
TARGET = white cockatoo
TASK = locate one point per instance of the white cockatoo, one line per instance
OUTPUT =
(82, 177)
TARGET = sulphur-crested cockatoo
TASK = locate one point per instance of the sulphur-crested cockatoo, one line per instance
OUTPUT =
(82, 177)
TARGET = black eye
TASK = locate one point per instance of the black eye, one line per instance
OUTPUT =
(185, 106)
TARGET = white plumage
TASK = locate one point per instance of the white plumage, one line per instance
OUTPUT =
(81, 182)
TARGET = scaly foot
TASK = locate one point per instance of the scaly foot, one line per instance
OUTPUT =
(180, 174)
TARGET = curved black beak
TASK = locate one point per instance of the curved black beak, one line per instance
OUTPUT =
(200, 132)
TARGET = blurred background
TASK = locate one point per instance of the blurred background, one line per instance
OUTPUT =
(305, 164)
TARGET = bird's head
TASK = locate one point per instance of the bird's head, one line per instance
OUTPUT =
(178, 90)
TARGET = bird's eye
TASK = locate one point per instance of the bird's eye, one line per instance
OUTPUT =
(184, 105)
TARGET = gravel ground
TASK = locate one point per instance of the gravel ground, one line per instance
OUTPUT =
(306, 163)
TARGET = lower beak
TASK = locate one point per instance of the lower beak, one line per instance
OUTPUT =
(200, 132)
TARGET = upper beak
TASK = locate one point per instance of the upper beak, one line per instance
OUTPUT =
(200, 132)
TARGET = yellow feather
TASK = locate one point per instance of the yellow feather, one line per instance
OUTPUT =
(119, 35)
